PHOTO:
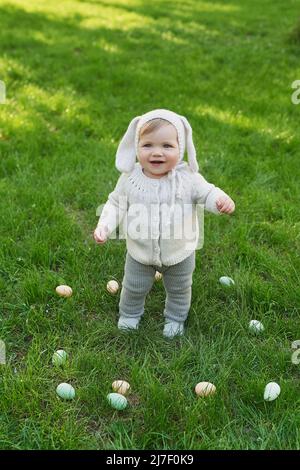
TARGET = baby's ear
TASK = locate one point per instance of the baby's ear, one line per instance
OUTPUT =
(126, 154)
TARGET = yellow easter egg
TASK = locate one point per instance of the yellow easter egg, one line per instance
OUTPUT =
(204, 389)
(120, 386)
(158, 276)
(64, 291)
(112, 287)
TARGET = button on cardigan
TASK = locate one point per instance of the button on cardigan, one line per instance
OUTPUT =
(156, 232)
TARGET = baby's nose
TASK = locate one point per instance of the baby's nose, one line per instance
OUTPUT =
(157, 151)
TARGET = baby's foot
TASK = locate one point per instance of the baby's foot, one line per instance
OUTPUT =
(125, 323)
(173, 328)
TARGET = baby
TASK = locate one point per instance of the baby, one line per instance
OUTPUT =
(164, 191)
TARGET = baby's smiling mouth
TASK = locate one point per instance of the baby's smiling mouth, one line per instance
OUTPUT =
(156, 162)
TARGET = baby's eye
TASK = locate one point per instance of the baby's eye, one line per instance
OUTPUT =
(167, 145)
(147, 145)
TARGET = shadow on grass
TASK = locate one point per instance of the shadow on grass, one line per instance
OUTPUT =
(110, 74)
(117, 73)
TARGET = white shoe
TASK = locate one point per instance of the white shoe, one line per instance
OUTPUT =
(173, 328)
(125, 323)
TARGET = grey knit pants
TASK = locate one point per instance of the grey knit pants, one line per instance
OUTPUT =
(138, 280)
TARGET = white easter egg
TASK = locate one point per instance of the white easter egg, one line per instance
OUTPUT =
(296, 354)
(226, 281)
(295, 344)
(256, 326)
(204, 389)
(65, 391)
(117, 401)
(272, 391)
(59, 357)
(120, 386)
(64, 291)
(112, 287)
(158, 276)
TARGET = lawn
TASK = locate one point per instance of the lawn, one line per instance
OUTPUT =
(76, 72)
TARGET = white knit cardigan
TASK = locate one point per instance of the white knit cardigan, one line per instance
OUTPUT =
(156, 243)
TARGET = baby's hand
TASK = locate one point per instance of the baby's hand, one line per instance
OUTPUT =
(225, 205)
(100, 234)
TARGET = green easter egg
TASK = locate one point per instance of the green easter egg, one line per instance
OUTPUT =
(65, 391)
(226, 281)
(59, 357)
(117, 401)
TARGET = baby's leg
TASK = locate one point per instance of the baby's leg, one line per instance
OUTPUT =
(178, 281)
(137, 282)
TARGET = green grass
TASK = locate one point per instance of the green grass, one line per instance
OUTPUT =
(76, 73)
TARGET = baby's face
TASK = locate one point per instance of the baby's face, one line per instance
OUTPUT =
(158, 151)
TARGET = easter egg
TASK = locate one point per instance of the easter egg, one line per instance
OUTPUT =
(59, 357)
(226, 281)
(112, 287)
(65, 391)
(272, 391)
(204, 389)
(296, 357)
(117, 401)
(295, 344)
(256, 326)
(64, 291)
(158, 276)
(120, 386)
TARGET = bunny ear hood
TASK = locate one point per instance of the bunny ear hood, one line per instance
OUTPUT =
(126, 154)
(190, 148)
(127, 149)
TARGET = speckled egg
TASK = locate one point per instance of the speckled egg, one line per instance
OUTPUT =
(64, 291)
(120, 386)
(65, 391)
(59, 357)
(117, 401)
(256, 326)
(204, 389)
(272, 391)
(295, 344)
(226, 281)
(112, 287)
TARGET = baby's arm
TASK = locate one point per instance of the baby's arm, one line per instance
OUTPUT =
(214, 199)
(112, 212)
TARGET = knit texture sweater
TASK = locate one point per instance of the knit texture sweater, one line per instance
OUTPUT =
(158, 219)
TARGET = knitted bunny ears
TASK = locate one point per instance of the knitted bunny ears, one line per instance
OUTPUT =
(127, 150)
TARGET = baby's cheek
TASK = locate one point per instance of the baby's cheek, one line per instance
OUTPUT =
(145, 155)
(141, 158)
